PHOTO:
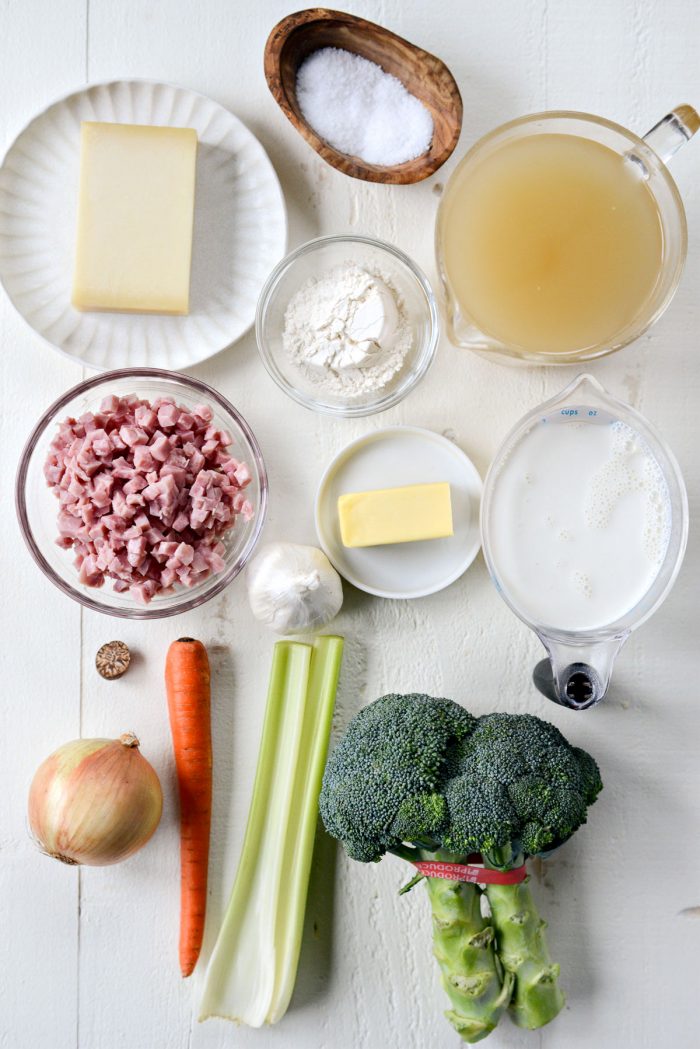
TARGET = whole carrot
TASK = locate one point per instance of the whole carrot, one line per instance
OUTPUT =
(189, 705)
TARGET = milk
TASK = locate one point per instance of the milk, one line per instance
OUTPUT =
(580, 521)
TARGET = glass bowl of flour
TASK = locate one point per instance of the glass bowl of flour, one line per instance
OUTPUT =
(347, 325)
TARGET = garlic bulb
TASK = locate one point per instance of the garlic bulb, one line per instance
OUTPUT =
(293, 588)
(95, 801)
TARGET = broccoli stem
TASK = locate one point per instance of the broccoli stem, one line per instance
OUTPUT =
(523, 952)
(463, 945)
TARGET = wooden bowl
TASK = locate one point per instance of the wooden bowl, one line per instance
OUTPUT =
(424, 75)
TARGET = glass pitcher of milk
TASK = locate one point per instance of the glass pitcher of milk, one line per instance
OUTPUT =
(584, 526)
(562, 236)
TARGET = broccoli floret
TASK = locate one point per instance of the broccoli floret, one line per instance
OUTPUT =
(423, 778)
(382, 781)
(517, 786)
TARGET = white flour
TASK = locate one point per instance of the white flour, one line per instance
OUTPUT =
(348, 331)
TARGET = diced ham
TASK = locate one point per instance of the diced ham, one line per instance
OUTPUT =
(185, 421)
(184, 554)
(243, 475)
(178, 473)
(168, 415)
(203, 412)
(146, 491)
(137, 483)
(69, 525)
(89, 573)
(114, 523)
(121, 468)
(117, 441)
(101, 501)
(144, 591)
(53, 473)
(160, 447)
(136, 550)
(143, 458)
(196, 459)
(120, 505)
(165, 550)
(76, 487)
(168, 577)
(145, 417)
(133, 435)
(103, 482)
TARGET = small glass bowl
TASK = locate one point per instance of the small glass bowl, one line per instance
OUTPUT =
(314, 259)
(37, 506)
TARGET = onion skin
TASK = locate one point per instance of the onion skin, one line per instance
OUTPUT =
(95, 801)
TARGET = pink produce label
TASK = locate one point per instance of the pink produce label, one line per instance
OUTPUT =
(470, 872)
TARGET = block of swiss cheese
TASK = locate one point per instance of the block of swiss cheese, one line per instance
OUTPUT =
(135, 215)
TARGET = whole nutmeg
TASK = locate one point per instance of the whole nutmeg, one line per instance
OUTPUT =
(113, 660)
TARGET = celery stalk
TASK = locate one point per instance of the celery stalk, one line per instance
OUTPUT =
(251, 973)
(241, 973)
(301, 831)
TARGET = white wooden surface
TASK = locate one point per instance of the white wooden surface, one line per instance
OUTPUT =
(88, 959)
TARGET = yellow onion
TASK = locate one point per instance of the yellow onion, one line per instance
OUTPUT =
(95, 801)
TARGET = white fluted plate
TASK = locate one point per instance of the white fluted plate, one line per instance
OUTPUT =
(240, 228)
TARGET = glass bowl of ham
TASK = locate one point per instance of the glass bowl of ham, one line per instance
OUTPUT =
(141, 493)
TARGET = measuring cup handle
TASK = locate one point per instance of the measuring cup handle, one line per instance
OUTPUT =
(667, 137)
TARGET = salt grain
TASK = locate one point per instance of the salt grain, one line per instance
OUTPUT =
(361, 110)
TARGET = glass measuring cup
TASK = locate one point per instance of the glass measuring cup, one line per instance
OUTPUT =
(615, 473)
(647, 156)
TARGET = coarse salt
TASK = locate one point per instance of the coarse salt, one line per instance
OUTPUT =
(361, 110)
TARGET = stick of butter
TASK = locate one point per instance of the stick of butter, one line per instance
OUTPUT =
(396, 515)
(135, 213)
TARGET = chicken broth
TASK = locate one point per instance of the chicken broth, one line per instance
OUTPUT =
(552, 243)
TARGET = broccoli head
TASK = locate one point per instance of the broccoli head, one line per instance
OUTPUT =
(418, 770)
(422, 777)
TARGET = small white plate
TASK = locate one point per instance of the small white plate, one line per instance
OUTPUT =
(240, 228)
(401, 455)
